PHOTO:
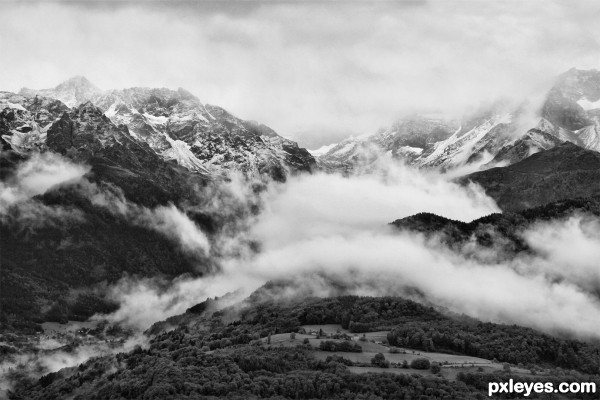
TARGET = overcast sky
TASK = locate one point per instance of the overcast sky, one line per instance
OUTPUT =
(314, 71)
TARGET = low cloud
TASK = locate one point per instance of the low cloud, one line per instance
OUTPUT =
(325, 205)
(44, 172)
(568, 250)
(38, 174)
(307, 209)
(53, 354)
(324, 228)
(174, 223)
(35, 176)
(146, 301)
(319, 229)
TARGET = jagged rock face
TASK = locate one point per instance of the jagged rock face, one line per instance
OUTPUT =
(202, 137)
(491, 137)
(86, 134)
(177, 126)
(25, 120)
(85, 130)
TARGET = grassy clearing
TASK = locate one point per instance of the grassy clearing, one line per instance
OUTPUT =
(395, 371)
(451, 364)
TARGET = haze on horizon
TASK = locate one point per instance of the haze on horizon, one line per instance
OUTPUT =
(314, 71)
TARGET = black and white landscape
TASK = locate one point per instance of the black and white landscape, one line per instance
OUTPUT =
(390, 200)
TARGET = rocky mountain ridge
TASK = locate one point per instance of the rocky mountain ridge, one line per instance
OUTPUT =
(202, 138)
(497, 135)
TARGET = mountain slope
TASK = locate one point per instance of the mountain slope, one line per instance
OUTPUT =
(63, 246)
(154, 160)
(85, 134)
(565, 171)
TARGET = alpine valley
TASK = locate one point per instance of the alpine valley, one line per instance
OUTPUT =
(147, 198)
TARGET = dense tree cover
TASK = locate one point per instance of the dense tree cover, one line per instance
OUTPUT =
(365, 314)
(563, 172)
(217, 354)
(246, 372)
(41, 262)
(186, 372)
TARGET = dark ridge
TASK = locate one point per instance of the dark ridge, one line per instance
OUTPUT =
(503, 230)
(563, 172)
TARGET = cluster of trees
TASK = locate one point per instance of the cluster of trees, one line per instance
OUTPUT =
(364, 314)
(242, 373)
(379, 361)
(420, 363)
(343, 346)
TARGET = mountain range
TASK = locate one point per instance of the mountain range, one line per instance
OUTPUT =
(156, 148)
(202, 138)
(209, 140)
(496, 135)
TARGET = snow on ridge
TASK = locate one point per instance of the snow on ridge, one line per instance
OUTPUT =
(589, 105)
(457, 149)
(154, 120)
(409, 149)
(322, 150)
(12, 105)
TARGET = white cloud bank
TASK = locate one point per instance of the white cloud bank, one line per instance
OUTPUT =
(326, 227)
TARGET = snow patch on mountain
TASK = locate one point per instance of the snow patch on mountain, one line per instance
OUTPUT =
(589, 105)
(411, 150)
(180, 152)
(590, 135)
(27, 138)
(14, 106)
(322, 150)
(154, 120)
